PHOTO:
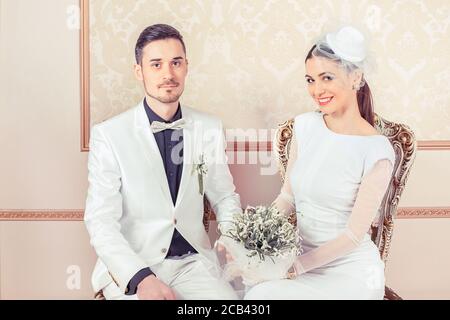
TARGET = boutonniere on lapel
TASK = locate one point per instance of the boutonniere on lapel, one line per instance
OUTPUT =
(201, 170)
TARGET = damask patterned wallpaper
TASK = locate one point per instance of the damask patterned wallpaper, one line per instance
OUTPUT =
(247, 57)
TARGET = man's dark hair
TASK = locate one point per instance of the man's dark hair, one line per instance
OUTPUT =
(153, 33)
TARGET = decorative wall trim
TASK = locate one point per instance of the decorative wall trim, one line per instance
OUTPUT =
(77, 215)
(267, 145)
(41, 215)
(433, 145)
(249, 146)
(423, 212)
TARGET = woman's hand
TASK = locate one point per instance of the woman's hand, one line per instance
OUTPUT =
(223, 251)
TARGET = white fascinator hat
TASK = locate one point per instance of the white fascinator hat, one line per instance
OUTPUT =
(347, 45)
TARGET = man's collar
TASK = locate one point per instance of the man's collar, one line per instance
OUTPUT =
(152, 116)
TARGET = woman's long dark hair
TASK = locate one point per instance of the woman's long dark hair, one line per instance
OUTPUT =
(363, 96)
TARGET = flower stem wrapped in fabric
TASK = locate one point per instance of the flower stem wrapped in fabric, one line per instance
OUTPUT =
(263, 244)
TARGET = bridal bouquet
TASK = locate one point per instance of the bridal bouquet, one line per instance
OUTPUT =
(263, 244)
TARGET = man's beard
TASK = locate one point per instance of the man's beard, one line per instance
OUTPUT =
(171, 98)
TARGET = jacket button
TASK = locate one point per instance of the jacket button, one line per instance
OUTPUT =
(164, 250)
(175, 221)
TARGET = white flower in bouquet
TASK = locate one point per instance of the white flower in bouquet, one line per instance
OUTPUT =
(263, 244)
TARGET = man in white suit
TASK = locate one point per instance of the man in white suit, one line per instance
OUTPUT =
(149, 169)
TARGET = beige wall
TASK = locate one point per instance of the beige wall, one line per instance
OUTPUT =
(42, 168)
(45, 260)
(419, 263)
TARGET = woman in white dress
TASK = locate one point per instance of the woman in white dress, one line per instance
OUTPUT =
(337, 174)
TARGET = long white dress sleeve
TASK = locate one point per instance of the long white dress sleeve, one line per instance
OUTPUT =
(372, 189)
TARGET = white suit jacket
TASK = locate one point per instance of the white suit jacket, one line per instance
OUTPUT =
(129, 212)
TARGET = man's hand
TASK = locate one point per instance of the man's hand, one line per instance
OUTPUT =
(151, 288)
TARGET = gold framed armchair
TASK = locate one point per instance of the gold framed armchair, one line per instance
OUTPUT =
(405, 146)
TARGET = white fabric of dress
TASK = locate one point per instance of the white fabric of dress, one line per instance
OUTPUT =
(336, 183)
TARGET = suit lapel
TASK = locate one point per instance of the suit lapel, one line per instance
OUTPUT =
(190, 142)
(151, 150)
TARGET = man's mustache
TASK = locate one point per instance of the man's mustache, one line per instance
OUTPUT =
(168, 83)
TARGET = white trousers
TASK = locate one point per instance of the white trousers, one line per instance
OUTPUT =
(191, 277)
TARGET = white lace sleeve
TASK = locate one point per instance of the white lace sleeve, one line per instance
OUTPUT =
(371, 191)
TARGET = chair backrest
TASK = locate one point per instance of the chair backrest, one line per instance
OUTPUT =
(405, 146)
